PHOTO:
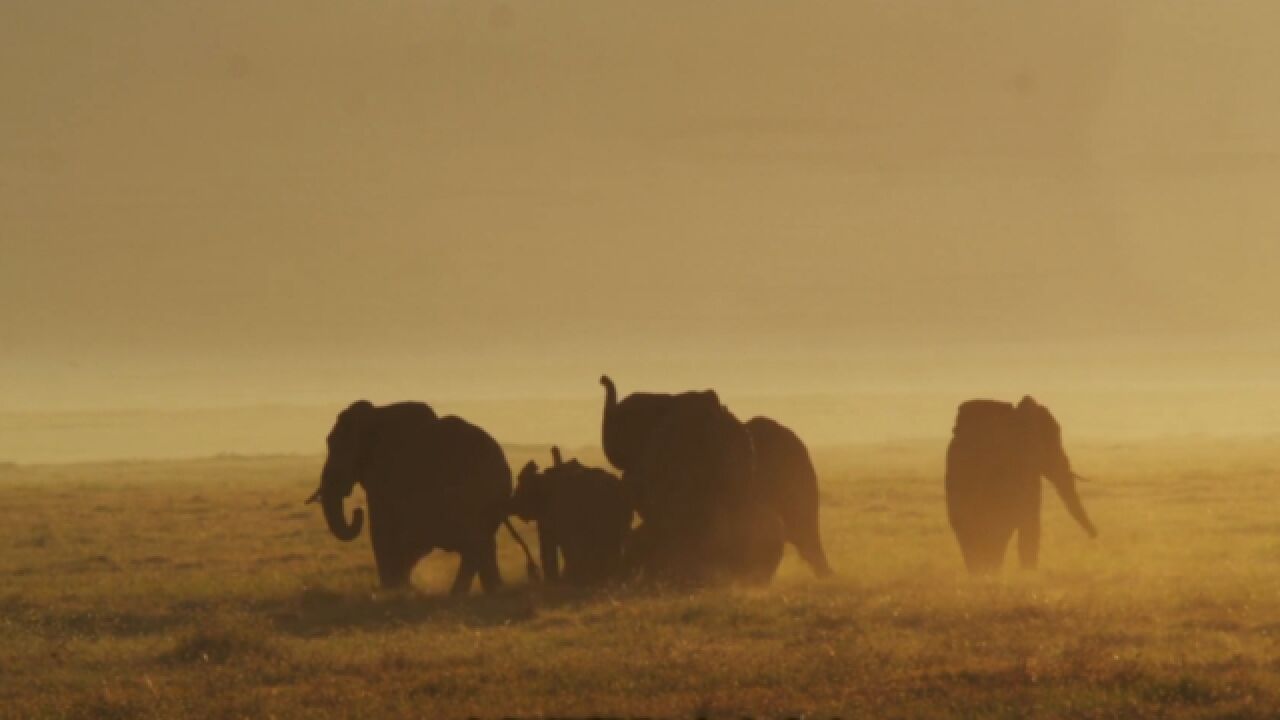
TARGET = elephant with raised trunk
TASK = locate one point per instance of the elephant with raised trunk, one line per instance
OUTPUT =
(782, 478)
(997, 456)
(627, 424)
(430, 482)
(695, 488)
(583, 513)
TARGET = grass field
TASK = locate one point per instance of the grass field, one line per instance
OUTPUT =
(206, 589)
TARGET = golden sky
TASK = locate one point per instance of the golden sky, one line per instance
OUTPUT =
(240, 202)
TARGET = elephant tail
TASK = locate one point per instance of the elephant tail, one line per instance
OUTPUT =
(531, 567)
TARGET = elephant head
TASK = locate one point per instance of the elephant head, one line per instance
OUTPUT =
(628, 423)
(529, 499)
(533, 491)
(348, 443)
(1043, 438)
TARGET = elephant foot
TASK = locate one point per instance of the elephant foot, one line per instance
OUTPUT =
(462, 581)
(491, 584)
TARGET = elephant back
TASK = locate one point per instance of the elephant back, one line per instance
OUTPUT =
(449, 483)
(981, 421)
(470, 462)
(629, 425)
(587, 502)
(696, 494)
(783, 467)
(988, 462)
(699, 451)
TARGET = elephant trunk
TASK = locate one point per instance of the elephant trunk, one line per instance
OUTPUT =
(335, 515)
(609, 428)
(1066, 487)
(610, 393)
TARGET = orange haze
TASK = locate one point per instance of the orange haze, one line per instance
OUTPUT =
(856, 214)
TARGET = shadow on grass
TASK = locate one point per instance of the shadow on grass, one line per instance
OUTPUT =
(319, 611)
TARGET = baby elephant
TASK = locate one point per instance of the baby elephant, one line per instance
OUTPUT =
(582, 513)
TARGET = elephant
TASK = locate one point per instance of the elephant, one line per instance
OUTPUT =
(786, 476)
(997, 455)
(582, 512)
(430, 482)
(626, 425)
(695, 489)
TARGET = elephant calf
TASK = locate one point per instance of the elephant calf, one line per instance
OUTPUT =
(582, 513)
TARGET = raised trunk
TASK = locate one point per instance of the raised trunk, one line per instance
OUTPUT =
(607, 430)
(1066, 487)
(336, 516)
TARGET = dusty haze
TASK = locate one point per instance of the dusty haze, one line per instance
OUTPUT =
(854, 215)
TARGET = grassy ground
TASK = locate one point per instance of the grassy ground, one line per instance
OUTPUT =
(206, 589)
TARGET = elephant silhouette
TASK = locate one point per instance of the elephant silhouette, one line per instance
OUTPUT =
(627, 424)
(689, 466)
(781, 475)
(997, 456)
(583, 513)
(430, 482)
(789, 484)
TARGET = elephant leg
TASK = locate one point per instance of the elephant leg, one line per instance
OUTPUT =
(767, 534)
(982, 551)
(1029, 543)
(968, 547)
(808, 542)
(998, 543)
(548, 550)
(395, 572)
(466, 573)
(391, 559)
(487, 565)
(633, 551)
(970, 554)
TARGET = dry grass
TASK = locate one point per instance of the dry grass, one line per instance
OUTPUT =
(206, 589)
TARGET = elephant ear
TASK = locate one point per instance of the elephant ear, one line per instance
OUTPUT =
(357, 415)
(1038, 418)
(357, 421)
(1032, 416)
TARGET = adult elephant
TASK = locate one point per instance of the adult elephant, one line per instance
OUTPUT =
(696, 491)
(785, 476)
(627, 424)
(430, 482)
(997, 455)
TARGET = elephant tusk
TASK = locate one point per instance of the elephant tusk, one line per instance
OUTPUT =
(1079, 478)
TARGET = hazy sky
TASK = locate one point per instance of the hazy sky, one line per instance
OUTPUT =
(239, 202)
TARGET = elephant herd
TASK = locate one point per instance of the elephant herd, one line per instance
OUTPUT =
(715, 497)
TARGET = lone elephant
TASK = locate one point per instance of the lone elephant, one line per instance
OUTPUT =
(430, 482)
(997, 456)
